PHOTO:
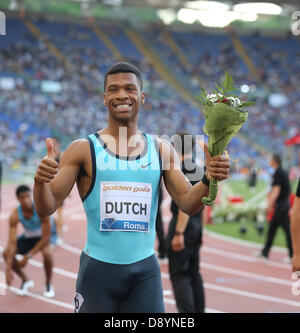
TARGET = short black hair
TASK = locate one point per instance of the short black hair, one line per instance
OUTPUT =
(184, 143)
(22, 188)
(123, 67)
(277, 159)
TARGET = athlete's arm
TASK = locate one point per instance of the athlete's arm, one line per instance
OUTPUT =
(52, 184)
(295, 231)
(187, 197)
(11, 244)
(46, 234)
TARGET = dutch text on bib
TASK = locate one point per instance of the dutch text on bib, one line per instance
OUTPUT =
(125, 206)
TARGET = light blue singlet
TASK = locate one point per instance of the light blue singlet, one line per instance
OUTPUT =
(121, 203)
(33, 226)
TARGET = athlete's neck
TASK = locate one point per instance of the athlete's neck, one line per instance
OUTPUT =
(123, 140)
(121, 130)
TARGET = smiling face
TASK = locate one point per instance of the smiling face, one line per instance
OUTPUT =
(123, 96)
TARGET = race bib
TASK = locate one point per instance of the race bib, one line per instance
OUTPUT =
(125, 206)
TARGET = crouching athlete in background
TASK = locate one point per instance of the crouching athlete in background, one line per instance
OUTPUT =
(39, 235)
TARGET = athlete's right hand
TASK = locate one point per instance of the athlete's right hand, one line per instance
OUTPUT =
(48, 167)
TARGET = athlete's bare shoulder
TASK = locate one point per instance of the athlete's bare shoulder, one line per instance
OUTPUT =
(78, 144)
(76, 152)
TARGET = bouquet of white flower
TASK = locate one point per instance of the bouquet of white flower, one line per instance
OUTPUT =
(224, 116)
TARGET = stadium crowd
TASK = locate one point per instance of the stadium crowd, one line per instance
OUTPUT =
(29, 114)
(277, 61)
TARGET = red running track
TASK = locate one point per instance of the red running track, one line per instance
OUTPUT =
(235, 281)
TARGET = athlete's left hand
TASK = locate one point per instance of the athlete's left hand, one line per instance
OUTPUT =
(217, 166)
(22, 263)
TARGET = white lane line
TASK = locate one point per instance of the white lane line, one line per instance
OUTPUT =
(55, 269)
(241, 241)
(73, 208)
(244, 293)
(40, 298)
(206, 265)
(74, 276)
(246, 258)
(4, 215)
(78, 216)
(207, 310)
(252, 295)
(169, 301)
(246, 274)
(206, 285)
(70, 248)
(39, 264)
(166, 202)
(203, 264)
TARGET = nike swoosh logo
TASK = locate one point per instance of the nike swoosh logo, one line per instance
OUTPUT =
(145, 166)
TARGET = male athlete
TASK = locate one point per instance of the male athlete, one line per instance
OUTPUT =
(118, 171)
(38, 233)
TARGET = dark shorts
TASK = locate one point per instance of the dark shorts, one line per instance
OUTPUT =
(24, 245)
(110, 288)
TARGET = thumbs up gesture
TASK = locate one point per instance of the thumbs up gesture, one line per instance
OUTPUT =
(50, 152)
(47, 168)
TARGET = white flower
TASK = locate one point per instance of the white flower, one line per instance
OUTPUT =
(233, 101)
(212, 97)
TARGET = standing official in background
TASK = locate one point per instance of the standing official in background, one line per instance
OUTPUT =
(279, 201)
(183, 245)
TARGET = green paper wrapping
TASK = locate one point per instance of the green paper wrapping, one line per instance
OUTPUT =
(222, 123)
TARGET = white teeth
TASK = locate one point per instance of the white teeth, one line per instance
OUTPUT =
(123, 106)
